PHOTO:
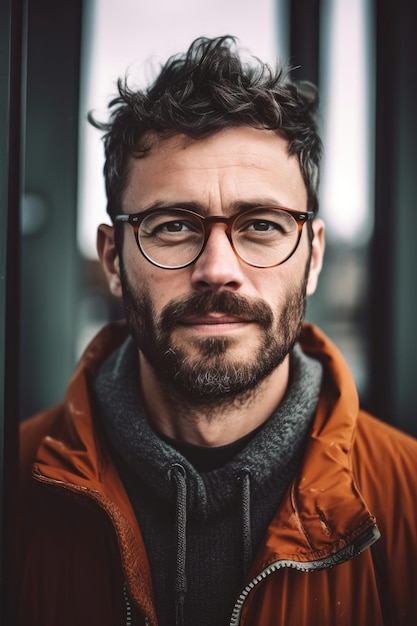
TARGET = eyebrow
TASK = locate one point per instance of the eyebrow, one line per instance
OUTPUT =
(235, 207)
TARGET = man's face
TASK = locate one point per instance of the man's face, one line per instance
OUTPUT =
(217, 328)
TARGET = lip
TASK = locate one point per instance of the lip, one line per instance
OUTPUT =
(215, 323)
(213, 319)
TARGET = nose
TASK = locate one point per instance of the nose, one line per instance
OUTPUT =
(218, 266)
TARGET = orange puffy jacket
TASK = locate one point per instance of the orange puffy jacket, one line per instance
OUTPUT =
(340, 551)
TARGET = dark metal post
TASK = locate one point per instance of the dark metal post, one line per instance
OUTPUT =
(12, 46)
(305, 39)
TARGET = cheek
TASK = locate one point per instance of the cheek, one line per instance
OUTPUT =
(161, 286)
(277, 284)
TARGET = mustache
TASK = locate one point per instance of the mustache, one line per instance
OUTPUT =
(226, 302)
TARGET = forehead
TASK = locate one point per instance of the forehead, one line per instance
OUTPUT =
(235, 164)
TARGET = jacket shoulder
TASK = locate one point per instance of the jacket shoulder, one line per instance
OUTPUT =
(384, 463)
(384, 442)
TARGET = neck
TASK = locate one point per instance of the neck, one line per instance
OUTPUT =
(217, 423)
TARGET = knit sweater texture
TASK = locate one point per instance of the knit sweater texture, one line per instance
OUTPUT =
(216, 504)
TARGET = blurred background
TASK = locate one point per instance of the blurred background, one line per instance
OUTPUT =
(58, 60)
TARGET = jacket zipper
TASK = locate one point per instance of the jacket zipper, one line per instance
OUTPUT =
(361, 543)
(128, 603)
(128, 606)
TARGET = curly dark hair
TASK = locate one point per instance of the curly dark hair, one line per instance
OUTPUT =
(201, 92)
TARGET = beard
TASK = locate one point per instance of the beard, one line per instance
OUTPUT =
(214, 375)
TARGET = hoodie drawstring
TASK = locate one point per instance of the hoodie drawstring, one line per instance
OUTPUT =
(178, 474)
(244, 480)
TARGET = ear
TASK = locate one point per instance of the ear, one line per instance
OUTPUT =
(317, 254)
(109, 258)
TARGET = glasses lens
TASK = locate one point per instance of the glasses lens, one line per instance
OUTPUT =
(265, 237)
(171, 238)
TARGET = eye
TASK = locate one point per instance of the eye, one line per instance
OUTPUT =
(263, 225)
(174, 227)
(266, 224)
(258, 227)
(163, 224)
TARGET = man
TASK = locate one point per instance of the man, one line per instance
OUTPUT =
(210, 464)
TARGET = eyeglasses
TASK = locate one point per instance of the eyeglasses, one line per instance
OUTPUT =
(174, 238)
